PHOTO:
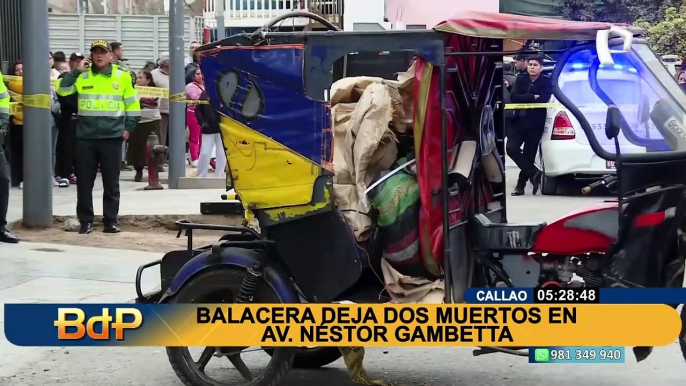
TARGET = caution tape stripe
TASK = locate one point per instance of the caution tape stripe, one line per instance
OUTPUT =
(527, 106)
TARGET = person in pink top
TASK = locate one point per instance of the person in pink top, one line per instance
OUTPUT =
(194, 88)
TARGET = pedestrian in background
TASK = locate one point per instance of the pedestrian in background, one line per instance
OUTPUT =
(54, 119)
(5, 235)
(54, 74)
(211, 138)
(66, 137)
(108, 111)
(117, 51)
(149, 123)
(160, 76)
(118, 55)
(62, 67)
(16, 131)
(149, 66)
(195, 85)
(191, 49)
(58, 58)
(528, 126)
(75, 59)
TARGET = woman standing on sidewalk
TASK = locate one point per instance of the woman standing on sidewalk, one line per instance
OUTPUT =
(149, 123)
(211, 138)
(195, 85)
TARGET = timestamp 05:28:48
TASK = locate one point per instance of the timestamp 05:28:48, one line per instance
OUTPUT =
(576, 355)
(567, 295)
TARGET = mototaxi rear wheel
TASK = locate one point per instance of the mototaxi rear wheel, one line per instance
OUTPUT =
(222, 286)
(313, 357)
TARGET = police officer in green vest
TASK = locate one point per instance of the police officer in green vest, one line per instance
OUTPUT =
(108, 111)
(5, 235)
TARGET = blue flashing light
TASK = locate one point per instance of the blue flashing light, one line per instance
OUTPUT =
(586, 66)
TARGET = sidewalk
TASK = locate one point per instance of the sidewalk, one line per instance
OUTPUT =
(48, 273)
(134, 200)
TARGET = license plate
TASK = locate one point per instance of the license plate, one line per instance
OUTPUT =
(610, 164)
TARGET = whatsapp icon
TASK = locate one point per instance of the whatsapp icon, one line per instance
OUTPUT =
(542, 355)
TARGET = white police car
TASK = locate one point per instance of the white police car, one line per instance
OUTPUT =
(565, 150)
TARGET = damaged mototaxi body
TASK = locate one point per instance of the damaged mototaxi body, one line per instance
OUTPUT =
(392, 189)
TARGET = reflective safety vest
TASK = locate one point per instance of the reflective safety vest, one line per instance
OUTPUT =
(107, 102)
(4, 104)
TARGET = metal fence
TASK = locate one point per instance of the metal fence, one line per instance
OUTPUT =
(144, 37)
(10, 33)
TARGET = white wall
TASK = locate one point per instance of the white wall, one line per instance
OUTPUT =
(432, 12)
(363, 11)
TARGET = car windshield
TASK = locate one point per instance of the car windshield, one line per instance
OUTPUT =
(653, 106)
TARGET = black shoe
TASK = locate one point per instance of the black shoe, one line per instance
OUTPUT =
(536, 181)
(139, 176)
(86, 228)
(7, 237)
(125, 167)
(518, 191)
(111, 228)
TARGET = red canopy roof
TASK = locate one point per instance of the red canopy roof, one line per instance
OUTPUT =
(506, 26)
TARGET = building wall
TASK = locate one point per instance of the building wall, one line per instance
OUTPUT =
(126, 7)
(431, 12)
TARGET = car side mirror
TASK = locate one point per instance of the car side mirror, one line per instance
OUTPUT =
(613, 122)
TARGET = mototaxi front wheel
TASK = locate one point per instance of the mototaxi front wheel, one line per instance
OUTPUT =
(222, 286)
(313, 357)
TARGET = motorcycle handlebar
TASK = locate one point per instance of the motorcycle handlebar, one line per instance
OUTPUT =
(605, 181)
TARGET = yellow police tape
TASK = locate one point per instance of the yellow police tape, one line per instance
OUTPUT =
(13, 77)
(526, 106)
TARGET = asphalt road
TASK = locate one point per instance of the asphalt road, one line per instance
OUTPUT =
(440, 367)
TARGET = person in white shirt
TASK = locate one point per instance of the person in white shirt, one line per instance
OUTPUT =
(54, 74)
(160, 76)
(189, 58)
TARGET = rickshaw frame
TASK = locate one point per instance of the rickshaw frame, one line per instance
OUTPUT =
(322, 50)
(249, 250)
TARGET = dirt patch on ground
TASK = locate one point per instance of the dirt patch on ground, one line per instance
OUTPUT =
(141, 233)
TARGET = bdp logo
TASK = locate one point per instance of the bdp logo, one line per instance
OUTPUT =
(71, 323)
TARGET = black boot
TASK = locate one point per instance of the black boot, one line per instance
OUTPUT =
(518, 191)
(86, 228)
(139, 175)
(7, 237)
(111, 227)
(536, 181)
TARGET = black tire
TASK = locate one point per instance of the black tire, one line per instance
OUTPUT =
(201, 288)
(549, 184)
(313, 358)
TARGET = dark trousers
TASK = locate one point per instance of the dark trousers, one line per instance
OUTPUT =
(17, 154)
(530, 138)
(4, 190)
(90, 154)
(66, 147)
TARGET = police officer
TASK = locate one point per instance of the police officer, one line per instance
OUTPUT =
(108, 111)
(5, 235)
